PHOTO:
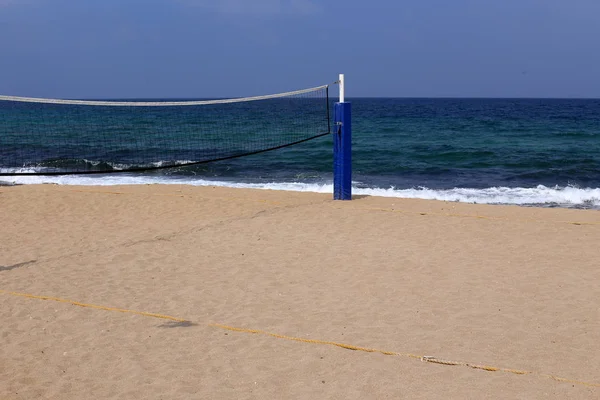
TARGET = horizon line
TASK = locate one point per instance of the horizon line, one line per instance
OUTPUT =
(333, 98)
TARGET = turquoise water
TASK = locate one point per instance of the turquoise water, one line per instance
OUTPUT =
(510, 151)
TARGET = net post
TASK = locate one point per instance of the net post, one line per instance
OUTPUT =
(342, 147)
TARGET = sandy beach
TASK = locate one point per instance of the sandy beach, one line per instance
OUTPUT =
(509, 295)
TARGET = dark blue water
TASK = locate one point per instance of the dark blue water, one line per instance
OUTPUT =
(478, 143)
(444, 144)
(521, 151)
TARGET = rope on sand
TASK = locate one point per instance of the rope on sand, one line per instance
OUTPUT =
(79, 304)
(393, 210)
(428, 359)
(375, 209)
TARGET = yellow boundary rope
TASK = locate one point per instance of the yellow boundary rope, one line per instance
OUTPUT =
(479, 216)
(113, 192)
(175, 195)
(76, 303)
(363, 208)
(428, 359)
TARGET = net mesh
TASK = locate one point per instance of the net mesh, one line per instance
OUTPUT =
(53, 137)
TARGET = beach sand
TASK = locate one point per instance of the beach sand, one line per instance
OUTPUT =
(499, 286)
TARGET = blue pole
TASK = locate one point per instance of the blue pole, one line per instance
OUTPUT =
(342, 152)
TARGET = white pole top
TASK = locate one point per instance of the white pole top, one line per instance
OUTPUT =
(342, 88)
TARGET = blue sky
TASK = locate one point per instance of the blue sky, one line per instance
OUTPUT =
(223, 48)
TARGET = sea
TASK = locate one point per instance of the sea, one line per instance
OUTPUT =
(528, 152)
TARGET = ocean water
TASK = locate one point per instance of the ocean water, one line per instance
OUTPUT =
(535, 152)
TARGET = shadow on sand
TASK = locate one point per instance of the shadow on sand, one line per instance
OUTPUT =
(177, 324)
(15, 266)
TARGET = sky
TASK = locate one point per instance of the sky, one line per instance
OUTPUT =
(229, 48)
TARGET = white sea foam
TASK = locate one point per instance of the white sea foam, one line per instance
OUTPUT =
(561, 196)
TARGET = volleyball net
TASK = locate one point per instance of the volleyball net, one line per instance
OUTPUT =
(58, 137)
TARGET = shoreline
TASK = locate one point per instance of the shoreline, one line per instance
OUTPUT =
(539, 197)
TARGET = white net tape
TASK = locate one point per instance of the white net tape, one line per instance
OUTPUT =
(157, 103)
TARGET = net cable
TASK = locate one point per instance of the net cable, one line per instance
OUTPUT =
(157, 103)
